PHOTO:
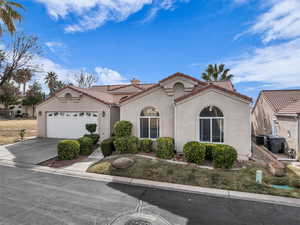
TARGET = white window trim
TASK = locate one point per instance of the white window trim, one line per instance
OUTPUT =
(149, 117)
(210, 118)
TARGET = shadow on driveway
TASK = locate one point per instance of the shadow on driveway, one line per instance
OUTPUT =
(31, 151)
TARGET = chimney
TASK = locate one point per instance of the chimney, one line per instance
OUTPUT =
(135, 81)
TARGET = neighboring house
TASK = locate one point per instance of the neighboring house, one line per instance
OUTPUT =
(277, 112)
(178, 106)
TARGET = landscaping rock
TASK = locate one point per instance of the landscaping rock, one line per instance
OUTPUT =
(276, 169)
(122, 163)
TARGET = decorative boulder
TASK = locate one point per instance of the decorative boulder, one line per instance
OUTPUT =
(276, 169)
(122, 163)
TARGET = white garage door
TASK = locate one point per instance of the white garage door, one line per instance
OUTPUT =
(69, 124)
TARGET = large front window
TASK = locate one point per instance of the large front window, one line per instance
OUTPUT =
(211, 125)
(149, 123)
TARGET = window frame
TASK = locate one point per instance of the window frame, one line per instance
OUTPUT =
(149, 123)
(210, 118)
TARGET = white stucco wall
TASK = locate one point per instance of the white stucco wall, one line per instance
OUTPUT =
(237, 129)
(84, 104)
(158, 99)
(288, 125)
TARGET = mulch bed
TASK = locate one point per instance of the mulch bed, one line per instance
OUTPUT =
(56, 163)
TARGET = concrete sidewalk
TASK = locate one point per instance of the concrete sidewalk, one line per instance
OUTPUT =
(160, 185)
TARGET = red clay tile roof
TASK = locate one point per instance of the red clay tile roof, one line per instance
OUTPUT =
(139, 93)
(211, 85)
(182, 75)
(283, 101)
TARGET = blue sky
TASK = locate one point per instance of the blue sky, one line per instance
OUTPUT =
(259, 40)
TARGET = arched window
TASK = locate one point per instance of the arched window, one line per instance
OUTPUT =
(178, 89)
(211, 125)
(149, 123)
(68, 96)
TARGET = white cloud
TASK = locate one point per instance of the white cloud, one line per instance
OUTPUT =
(281, 20)
(278, 65)
(94, 13)
(46, 65)
(109, 76)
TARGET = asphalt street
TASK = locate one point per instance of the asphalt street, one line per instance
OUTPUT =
(28, 197)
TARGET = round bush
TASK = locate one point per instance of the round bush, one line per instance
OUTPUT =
(127, 144)
(85, 145)
(68, 149)
(146, 145)
(95, 137)
(224, 156)
(91, 127)
(123, 128)
(194, 152)
(107, 146)
(121, 144)
(209, 151)
(165, 148)
(132, 144)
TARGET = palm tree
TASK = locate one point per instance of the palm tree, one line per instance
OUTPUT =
(216, 73)
(22, 76)
(8, 15)
(51, 81)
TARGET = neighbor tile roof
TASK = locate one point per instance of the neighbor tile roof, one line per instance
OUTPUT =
(283, 101)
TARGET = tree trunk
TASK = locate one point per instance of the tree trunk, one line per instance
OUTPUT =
(24, 88)
(33, 109)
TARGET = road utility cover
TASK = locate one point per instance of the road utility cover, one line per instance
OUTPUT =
(140, 219)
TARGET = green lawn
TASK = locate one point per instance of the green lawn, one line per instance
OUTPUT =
(160, 170)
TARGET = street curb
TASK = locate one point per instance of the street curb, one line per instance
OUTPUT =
(293, 202)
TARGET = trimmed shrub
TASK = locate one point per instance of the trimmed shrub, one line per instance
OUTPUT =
(107, 146)
(146, 145)
(85, 145)
(194, 152)
(121, 144)
(94, 137)
(127, 144)
(91, 127)
(68, 149)
(209, 151)
(123, 128)
(132, 144)
(224, 156)
(165, 148)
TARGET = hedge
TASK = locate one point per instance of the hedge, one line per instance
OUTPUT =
(224, 156)
(123, 128)
(86, 144)
(107, 146)
(209, 150)
(194, 152)
(127, 144)
(91, 127)
(94, 137)
(68, 149)
(146, 145)
(165, 148)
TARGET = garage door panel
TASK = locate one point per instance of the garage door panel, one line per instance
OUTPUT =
(69, 124)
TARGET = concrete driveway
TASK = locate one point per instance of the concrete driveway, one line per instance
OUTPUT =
(31, 151)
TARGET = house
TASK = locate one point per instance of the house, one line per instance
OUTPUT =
(277, 112)
(179, 106)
